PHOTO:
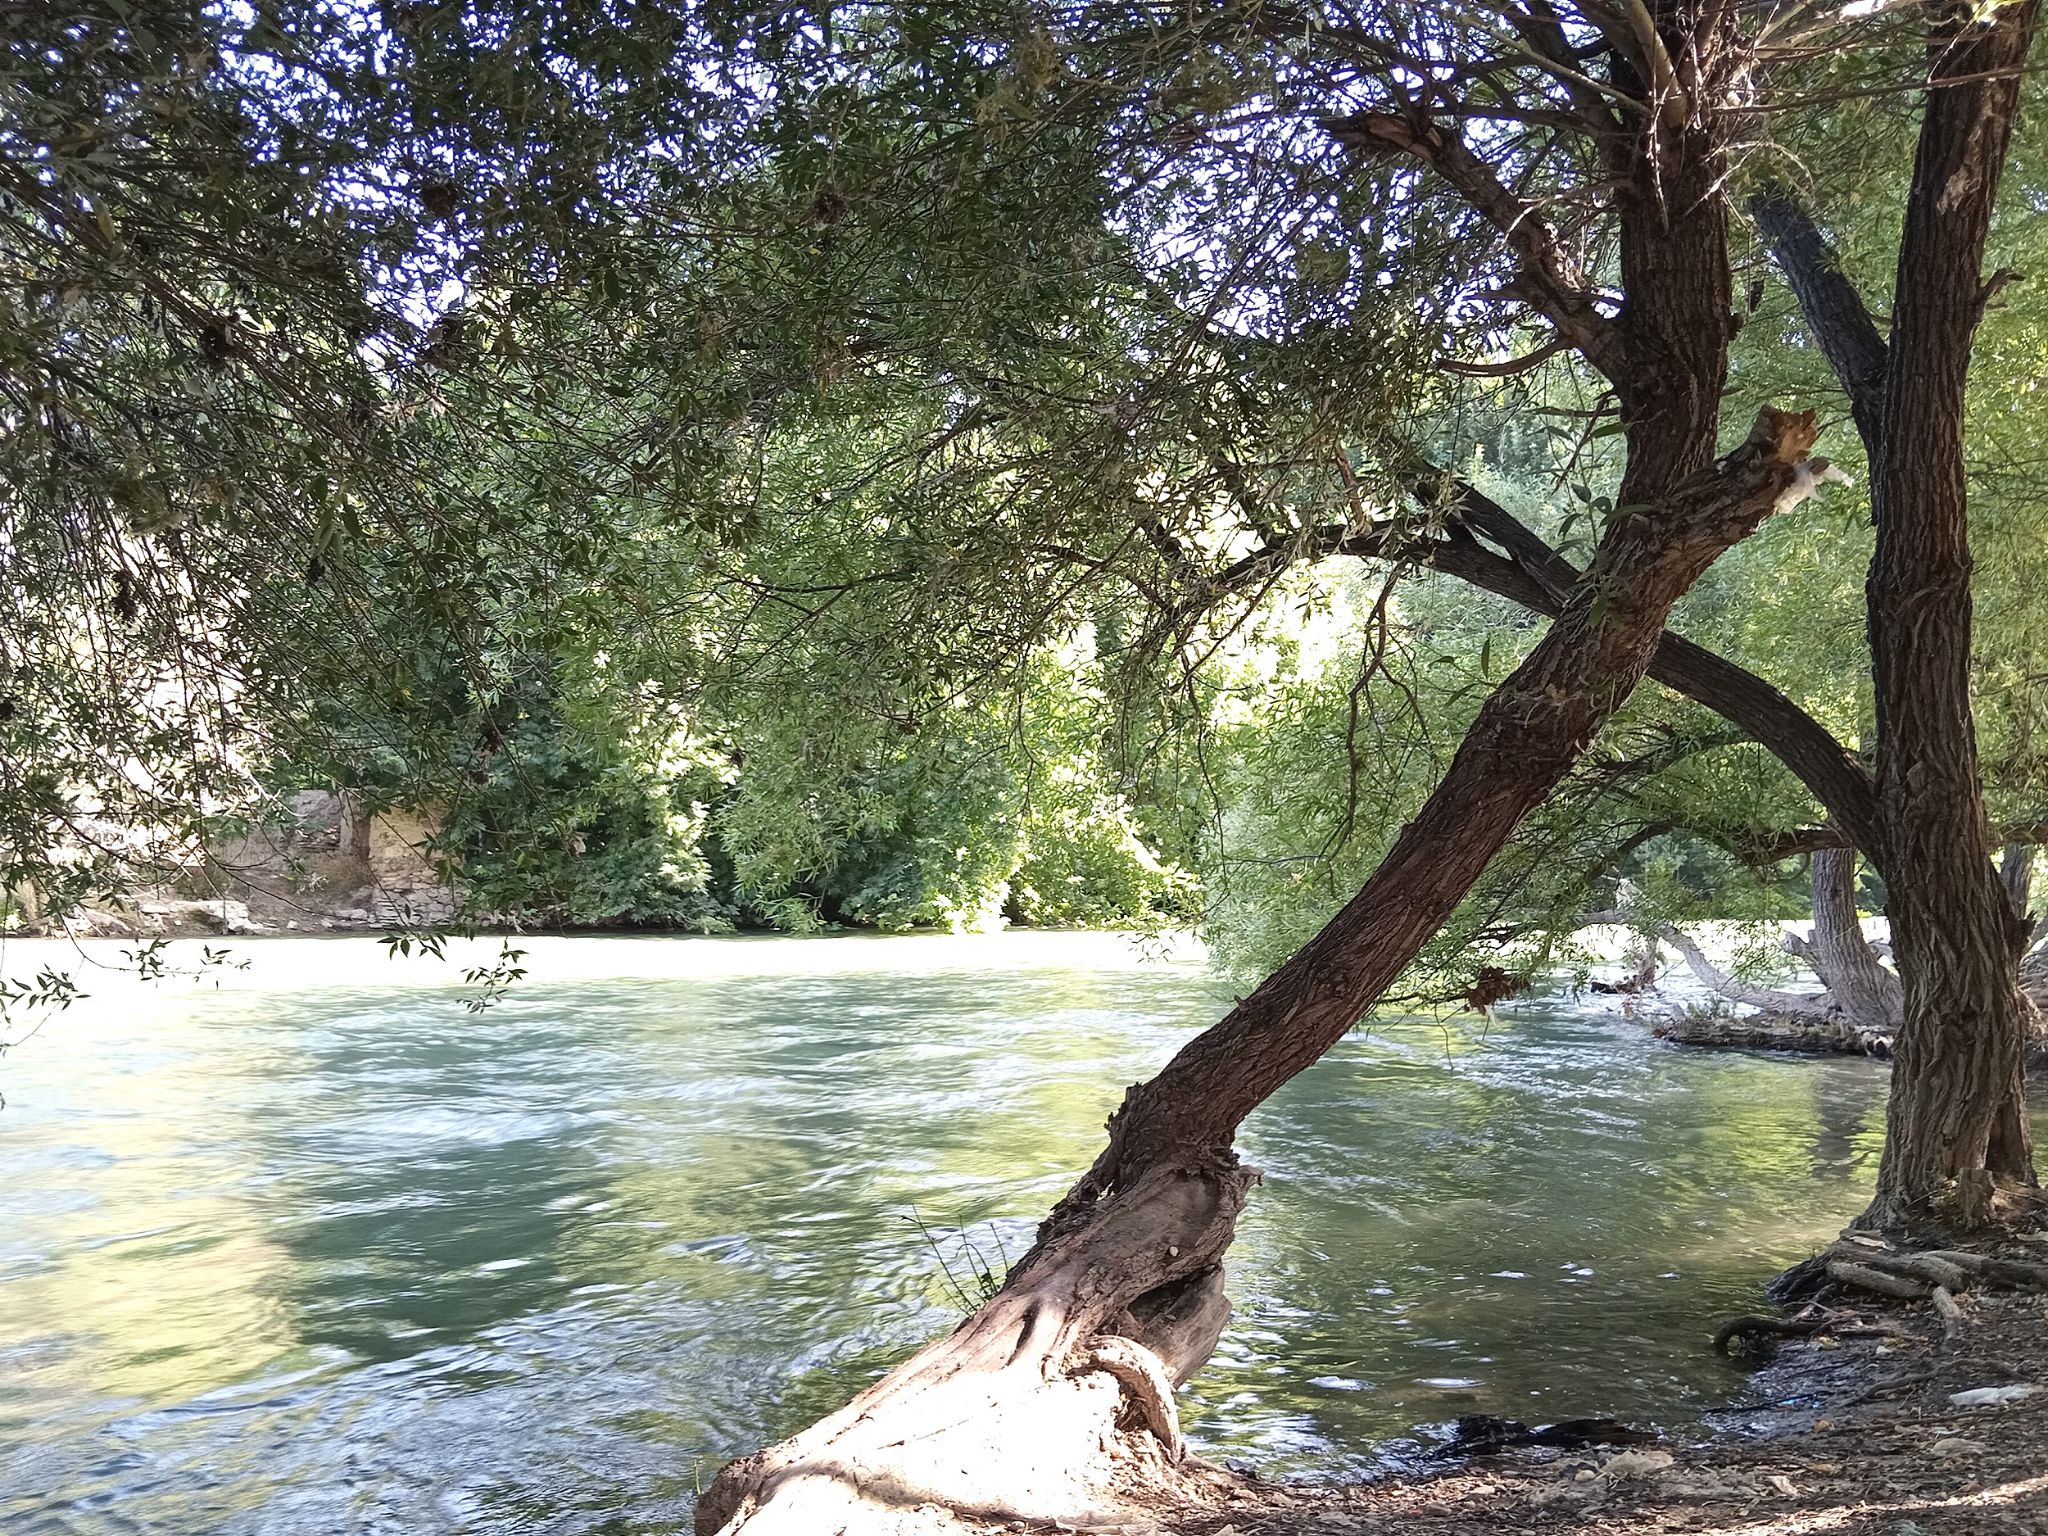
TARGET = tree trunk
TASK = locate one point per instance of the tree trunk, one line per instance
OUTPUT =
(1957, 1124)
(2016, 874)
(1054, 1401)
(1858, 1013)
(1860, 987)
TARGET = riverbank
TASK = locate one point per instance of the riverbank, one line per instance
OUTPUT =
(279, 962)
(1852, 1437)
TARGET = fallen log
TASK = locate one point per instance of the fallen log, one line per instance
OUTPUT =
(1802, 1034)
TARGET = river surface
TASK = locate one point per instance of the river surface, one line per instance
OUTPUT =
(320, 1251)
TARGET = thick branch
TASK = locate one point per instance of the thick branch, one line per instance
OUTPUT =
(1801, 840)
(1833, 308)
(1829, 770)
(1539, 578)
(1543, 32)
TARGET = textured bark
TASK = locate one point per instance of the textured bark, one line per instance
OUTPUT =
(1007, 1419)
(1862, 988)
(1957, 1123)
(1678, 310)
(2016, 874)
(1834, 310)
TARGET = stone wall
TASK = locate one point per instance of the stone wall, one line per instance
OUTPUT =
(327, 862)
(405, 879)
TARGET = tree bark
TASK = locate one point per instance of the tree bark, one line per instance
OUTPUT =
(2016, 874)
(1864, 990)
(1834, 310)
(1957, 1122)
(1122, 1293)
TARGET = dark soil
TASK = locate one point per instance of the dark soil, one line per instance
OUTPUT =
(1853, 1437)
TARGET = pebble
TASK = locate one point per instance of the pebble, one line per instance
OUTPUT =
(1636, 1464)
(1990, 1397)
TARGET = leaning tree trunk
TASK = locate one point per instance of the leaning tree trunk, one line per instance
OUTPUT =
(1861, 987)
(1054, 1401)
(1957, 1123)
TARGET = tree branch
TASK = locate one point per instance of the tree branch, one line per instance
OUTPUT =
(1547, 280)
(1829, 770)
(1833, 308)
(1788, 845)
(1710, 975)
(1538, 578)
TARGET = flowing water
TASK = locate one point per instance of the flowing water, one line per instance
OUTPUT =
(321, 1251)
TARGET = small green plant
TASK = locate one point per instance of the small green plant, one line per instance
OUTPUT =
(982, 1279)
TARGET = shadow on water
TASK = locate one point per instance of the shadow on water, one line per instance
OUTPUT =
(325, 1260)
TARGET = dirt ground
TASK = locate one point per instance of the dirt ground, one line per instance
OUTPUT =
(1852, 1438)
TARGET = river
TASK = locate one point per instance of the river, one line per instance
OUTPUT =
(310, 1248)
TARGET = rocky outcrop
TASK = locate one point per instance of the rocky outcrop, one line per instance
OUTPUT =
(320, 862)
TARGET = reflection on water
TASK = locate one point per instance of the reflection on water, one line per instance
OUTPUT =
(352, 1259)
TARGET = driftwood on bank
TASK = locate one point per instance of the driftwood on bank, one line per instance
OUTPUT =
(1936, 1275)
(1861, 1004)
(1798, 1034)
(1808, 1033)
(1829, 1287)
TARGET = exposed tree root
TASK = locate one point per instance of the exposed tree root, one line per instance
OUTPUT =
(1735, 1335)
(1866, 1277)
(1914, 1275)
(1870, 1270)
(1755, 1334)
(1948, 1311)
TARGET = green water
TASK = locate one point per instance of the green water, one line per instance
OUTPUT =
(323, 1256)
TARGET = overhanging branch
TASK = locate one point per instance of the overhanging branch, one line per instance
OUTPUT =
(1548, 280)
(1535, 576)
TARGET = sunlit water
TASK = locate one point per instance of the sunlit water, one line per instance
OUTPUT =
(325, 1254)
